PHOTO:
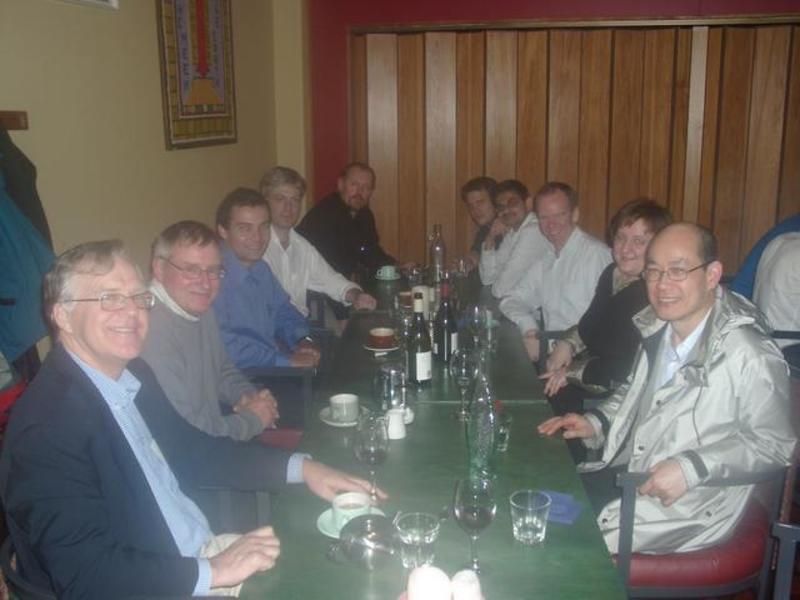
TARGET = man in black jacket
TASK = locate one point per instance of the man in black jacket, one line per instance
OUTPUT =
(96, 459)
(341, 227)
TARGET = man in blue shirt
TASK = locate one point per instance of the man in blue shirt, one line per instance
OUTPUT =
(96, 459)
(259, 324)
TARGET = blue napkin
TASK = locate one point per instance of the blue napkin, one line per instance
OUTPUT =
(563, 508)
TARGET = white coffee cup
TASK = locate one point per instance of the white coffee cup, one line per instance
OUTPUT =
(344, 408)
(348, 506)
(396, 426)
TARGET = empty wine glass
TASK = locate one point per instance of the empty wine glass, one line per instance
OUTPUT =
(475, 320)
(463, 364)
(474, 508)
(371, 445)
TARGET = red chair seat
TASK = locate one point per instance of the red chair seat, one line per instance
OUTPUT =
(739, 558)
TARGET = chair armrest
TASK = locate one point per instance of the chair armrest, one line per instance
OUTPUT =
(785, 334)
(260, 372)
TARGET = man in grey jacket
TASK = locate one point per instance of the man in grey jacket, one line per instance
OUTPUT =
(184, 347)
(708, 398)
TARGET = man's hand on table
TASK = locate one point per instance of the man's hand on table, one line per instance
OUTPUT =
(326, 482)
(261, 403)
(573, 426)
(361, 300)
(253, 552)
(667, 482)
(554, 381)
(306, 354)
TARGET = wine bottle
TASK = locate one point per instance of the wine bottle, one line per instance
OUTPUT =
(445, 329)
(419, 346)
(438, 256)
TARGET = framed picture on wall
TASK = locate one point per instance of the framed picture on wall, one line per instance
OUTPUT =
(197, 85)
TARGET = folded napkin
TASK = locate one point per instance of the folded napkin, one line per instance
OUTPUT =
(563, 507)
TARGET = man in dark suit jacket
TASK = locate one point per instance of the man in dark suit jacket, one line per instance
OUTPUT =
(94, 453)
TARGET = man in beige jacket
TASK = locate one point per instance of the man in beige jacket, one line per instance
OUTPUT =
(708, 397)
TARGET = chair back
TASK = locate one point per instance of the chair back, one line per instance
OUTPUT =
(773, 482)
(788, 535)
(22, 589)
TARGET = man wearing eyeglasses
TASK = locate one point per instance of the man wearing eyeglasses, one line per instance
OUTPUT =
(708, 397)
(513, 241)
(96, 460)
(184, 347)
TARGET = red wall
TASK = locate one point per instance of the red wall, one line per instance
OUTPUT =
(330, 20)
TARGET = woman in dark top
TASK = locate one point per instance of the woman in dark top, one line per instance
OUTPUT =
(596, 355)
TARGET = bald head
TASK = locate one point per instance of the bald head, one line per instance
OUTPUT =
(682, 275)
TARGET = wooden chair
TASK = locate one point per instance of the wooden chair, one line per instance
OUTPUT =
(740, 563)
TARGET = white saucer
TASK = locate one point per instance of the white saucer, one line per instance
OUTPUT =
(326, 526)
(381, 350)
(395, 278)
(325, 417)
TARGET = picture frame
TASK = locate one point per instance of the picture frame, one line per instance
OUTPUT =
(197, 79)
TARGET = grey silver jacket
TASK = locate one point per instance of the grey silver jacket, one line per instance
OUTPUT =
(725, 413)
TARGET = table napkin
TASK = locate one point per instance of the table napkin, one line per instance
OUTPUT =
(563, 507)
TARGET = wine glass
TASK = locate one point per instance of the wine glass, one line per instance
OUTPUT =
(371, 445)
(462, 368)
(474, 508)
(476, 320)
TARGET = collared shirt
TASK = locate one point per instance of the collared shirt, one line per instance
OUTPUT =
(777, 291)
(562, 284)
(506, 266)
(186, 522)
(300, 267)
(672, 358)
(256, 316)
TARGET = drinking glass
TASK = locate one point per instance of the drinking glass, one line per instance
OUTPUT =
(529, 510)
(417, 532)
(463, 364)
(474, 508)
(475, 318)
(371, 444)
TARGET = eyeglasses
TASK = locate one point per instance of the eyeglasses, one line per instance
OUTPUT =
(654, 274)
(195, 272)
(113, 301)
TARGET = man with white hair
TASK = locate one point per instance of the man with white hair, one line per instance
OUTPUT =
(294, 261)
(96, 459)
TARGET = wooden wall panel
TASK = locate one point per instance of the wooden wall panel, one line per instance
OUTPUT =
(382, 133)
(657, 96)
(411, 147)
(440, 132)
(358, 98)
(770, 69)
(595, 111)
(705, 119)
(470, 112)
(698, 59)
(564, 105)
(501, 104)
(532, 52)
(734, 117)
(626, 117)
(789, 194)
(680, 122)
(708, 161)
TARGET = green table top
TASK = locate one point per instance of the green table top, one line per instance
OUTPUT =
(419, 475)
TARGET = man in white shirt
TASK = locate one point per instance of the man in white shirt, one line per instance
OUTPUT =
(777, 291)
(562, 282)
(708, 398)
(502, 267)
(293, 260)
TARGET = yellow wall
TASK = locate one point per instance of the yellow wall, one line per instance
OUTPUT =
(291, 85)
(90, 81)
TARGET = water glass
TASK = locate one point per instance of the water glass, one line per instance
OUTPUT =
(529, 510)
(503, 433)
(418, 533)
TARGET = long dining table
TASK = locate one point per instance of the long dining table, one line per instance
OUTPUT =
(419, 475)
